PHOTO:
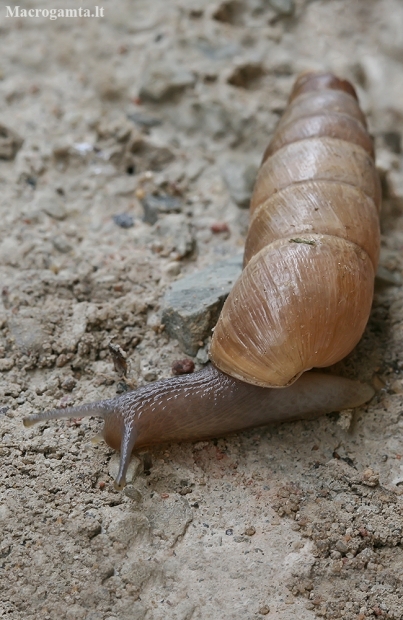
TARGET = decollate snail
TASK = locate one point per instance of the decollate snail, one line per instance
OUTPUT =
(303, 298)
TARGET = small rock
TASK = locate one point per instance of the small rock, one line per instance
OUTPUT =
(155, 205)
(192, 304)
(182, 367)
(119, 357)
(345, 419)
(61, 244)
(10, 143)
(69, 384)
(341, 546)
(122, 387)
(250, 531)
(240, 179)
(265, 610)
(202, 355)
(219, 227)
(283, 7)
(124, 220)
(370, 478)
(63, 359)
(154, 322)
(172, 268)
(176, 235)
(161, 81)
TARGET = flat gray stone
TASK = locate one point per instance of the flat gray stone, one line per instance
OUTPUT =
(192, 304)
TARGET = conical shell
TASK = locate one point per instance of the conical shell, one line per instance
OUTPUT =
(305, 294)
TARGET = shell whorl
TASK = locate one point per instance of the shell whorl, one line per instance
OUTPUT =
(305, 293)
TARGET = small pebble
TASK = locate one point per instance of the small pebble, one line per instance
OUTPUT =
(69, 384)
(250, 531)
(119, 358)
(370, 478)
(61, 244)
(202, 356)
(62, 360)
(124, 220)
(122, 387)
(182, 367)
(264, 610)
(219, 227)
(341, 546)
(172, 268)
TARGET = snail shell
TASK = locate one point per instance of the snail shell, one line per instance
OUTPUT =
(305, 294)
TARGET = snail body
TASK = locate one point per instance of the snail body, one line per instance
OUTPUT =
(302, 300)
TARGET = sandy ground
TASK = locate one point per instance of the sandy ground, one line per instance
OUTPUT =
(178, 99)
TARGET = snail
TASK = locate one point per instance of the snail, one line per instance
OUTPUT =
(302, 301)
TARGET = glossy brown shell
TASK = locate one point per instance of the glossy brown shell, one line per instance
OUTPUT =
(305, 294)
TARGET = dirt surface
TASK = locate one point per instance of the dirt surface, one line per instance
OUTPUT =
(178, 100)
